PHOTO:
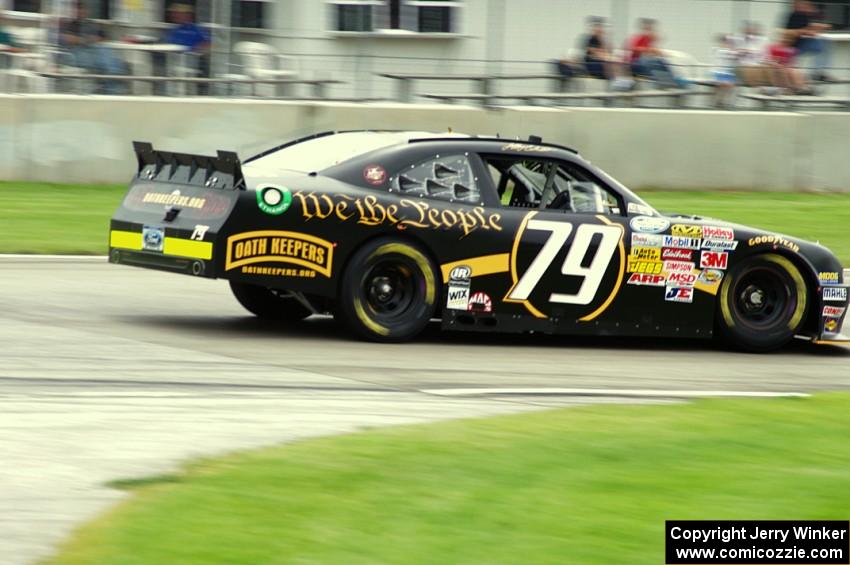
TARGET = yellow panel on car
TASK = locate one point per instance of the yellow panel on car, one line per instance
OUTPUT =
(125, 239)
(187, 248)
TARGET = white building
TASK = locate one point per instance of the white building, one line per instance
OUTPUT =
(354, 40)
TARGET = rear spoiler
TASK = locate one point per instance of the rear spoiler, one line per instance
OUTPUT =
(224, 171)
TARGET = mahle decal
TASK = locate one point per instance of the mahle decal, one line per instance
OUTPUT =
(274, 200)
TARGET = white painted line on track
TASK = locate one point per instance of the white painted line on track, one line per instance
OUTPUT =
(635, 393)
(45, 258)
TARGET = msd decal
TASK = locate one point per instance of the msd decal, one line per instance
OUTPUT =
(714, 260)
(682, 279)
(645, 279)
(679, 294)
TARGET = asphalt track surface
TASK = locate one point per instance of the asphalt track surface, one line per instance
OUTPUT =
(111, 372)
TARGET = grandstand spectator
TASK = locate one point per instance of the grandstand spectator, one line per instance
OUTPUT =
(807, 40)
(82, 39)
(647, 60)
(781, 58)
(726, 59)
(599, 60)
(751, 47)
(193, 37)
(7, 40)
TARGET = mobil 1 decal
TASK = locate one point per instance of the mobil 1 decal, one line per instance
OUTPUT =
(563, 268)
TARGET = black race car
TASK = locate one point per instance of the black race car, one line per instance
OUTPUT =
(388, 230)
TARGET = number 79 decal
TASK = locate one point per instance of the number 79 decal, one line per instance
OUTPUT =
(574, 264)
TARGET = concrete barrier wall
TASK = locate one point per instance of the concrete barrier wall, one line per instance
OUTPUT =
(85, 139)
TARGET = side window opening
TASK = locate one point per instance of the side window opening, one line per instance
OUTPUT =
(553, 185)
(444, 178)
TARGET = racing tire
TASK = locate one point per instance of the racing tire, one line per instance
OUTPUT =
(388, 292)
(268, 303)
(762, 303)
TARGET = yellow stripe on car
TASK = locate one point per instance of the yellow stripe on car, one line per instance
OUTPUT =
(125, 239)
(482, 265)
(187, 248)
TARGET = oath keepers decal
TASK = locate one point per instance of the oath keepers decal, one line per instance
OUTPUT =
(272, 246)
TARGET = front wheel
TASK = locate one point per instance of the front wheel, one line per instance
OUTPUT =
(762, 303)
(269, 303)
(388, 291)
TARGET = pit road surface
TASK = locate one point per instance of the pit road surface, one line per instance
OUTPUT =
(111, 372)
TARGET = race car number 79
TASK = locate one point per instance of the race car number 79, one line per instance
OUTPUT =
(592, 273)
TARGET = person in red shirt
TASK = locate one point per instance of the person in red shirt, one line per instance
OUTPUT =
(781, 57)
(646, 59)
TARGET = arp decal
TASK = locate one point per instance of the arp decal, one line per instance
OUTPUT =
(583, 274)
(643, 279)
(404, 215)
(271, 246)
(714, 260)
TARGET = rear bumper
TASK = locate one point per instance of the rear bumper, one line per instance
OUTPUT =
(177, 255)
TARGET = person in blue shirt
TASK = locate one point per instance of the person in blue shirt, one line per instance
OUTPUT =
(193, 37)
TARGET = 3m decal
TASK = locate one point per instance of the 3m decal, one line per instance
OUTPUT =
(686, 230)
(646, 279)
(833, 311)
(714, 260)
(480, 302)
(375, 174)
(458, 297)
(650, 267)
(590, 272)
(775, 240)
(274, 200)
(273, 246)
(152, 238)
(682, 279)
(717, 232)
(646, 253)
(835, 294)
(676, 254)
(679, 294)
(647, 240)
(719, 244)
(829, 278)
(406, 214)
(681, 242)
(649, 224)
(678, 266)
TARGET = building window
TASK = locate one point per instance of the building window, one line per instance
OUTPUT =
(249, 13)
(26, 5)
(835, 12)
(415, 16)
(100, 9)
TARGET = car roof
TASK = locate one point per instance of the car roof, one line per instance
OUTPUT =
(326, 149)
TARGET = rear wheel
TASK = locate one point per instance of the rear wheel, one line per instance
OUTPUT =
(762, 303)
(269, 303)
(388, 291)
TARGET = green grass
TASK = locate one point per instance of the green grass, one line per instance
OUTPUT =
(56, 218)
(583, 485)
(53, 218)
(815, 217)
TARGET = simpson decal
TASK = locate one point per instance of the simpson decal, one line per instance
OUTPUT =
(678, 266)
(271, 246)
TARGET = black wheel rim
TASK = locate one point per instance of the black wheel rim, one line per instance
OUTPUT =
(390, 289)
(762, 298)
